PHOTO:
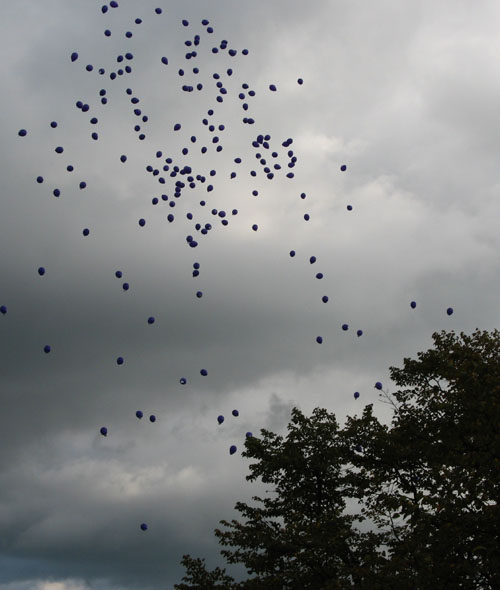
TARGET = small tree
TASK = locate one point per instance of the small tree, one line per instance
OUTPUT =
(428, 487)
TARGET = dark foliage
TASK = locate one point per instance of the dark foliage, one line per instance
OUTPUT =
(413, 504)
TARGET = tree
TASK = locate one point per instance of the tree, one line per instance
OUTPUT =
(427, 487)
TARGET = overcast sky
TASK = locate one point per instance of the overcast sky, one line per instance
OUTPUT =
(405, 94)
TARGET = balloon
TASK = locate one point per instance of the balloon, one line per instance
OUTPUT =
(324, 299)
(41, 271)
(74, 56)
(142, 222)
(358, 448)
(319, 339)
(199, 294)
(220, 419)
(82, 185)
(349, 207)
(39, 179)
(232, 449)
(152, 418)
(319, 275)
(235, 413)
(144, 527)
(292, 253)
(113, 4)
(312, 260)
(300, 81)
(158, 10)
(151, 320)
(343, 167)
(177, 126)
(359, 333)
(249, 435)
(22, 132)
(118, 274)
(183, 380)
(123, 158)
(46, 349)
(204, 372)
(164, 60)
(139, 414)
(307, 217)
(272, 87)
(53, 124)
(86, 231)
(356, 394)
(345, 327)
(119, 360)
(3, 309)
(104, 431)
(413, 304)
(56, 192)
(125, 286)
(255, 227)
(378, 385)
(449, 311)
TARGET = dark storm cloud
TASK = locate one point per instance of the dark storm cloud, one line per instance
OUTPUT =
(404, 96)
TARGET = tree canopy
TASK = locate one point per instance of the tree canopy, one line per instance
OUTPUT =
(412, 504)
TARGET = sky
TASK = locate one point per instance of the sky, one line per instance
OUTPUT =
(405, 95)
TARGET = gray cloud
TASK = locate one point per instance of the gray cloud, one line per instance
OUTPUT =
(405, 96)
